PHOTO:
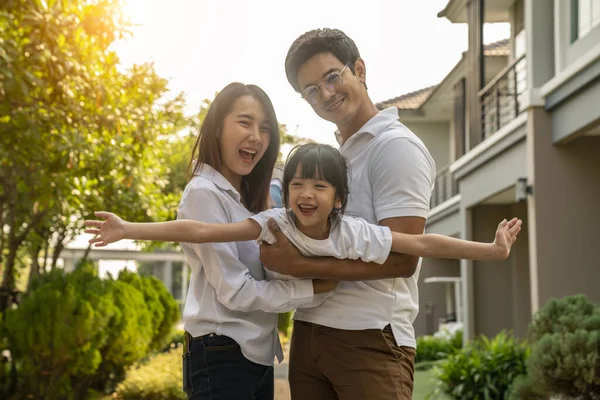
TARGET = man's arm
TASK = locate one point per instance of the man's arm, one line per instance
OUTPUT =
(401, 194)
(299, 266)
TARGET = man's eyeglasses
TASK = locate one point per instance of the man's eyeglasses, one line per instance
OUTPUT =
(333, 81)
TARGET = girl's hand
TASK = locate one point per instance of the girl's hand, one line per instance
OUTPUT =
(111, 230)
(506, 235)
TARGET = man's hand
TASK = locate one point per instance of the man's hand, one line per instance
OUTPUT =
(506, 235)
(111, 230)
(281, 257)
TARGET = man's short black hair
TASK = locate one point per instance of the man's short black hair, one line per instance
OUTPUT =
(318, 41)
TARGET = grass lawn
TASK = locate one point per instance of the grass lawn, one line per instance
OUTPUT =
(424, 384)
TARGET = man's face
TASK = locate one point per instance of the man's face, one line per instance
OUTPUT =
(340, 93)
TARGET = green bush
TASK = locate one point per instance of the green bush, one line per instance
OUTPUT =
(159, 378)
(163, 308)
(565, 356)
(431, 348)
(524, 389)
(75, 333)
(176, 339)
(56, 334)
(284, 323)
(485, 369)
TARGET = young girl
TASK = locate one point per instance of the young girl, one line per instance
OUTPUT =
(315, 191)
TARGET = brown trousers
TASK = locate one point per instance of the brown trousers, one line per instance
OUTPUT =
(335, 364)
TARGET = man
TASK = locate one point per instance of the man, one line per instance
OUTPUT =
(359, 343)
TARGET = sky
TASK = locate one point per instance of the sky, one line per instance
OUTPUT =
(202, 45)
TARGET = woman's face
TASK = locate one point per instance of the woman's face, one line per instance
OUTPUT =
(245, 137)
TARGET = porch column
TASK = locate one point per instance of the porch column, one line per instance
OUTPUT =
(475, 71)
(466, 273)
(539, 25)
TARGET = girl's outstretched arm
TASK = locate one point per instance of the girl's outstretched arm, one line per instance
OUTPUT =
(439, 246)
(113, 229)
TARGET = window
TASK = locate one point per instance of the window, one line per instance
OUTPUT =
(585, 17)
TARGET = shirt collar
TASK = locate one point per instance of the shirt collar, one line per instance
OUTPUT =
(208, 172)
(380, 121)
(377, 124)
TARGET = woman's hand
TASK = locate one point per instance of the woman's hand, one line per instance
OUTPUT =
(112, 229)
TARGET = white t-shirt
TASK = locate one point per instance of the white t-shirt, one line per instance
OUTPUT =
(351, 238)
(392, 175)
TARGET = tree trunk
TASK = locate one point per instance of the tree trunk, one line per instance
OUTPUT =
(35, 265)
(58, 248)
(86, 253)
(8, 293)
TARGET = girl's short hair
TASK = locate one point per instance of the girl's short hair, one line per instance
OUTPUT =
(322, 161)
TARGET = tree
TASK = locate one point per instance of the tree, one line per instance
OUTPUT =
(76, 133)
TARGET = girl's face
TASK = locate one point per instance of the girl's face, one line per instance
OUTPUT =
(312, 201)
(245, 137)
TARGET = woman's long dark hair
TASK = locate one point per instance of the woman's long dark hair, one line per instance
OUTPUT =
(255, 185)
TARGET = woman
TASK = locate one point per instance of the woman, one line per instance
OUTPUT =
(230, 312)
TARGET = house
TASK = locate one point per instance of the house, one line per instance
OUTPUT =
(516, 134)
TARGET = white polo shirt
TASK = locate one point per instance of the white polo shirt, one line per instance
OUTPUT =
(351, 238)
(228, 293)
(392, 175)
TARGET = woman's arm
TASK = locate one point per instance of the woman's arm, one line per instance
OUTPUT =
(439, 246)
(113, 229)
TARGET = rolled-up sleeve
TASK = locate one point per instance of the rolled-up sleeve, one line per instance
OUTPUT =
(235, 287)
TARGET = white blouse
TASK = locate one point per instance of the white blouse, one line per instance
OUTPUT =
(228, 293)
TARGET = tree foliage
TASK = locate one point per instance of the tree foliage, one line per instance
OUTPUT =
(77, 131)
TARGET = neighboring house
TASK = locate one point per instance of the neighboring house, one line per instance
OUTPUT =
(516, 134)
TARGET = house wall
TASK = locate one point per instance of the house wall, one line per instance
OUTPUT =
(566, 201)
(494, 175)
(568, 52)
(433, 294)
(575, 112)
(436, 137)
(501, 293)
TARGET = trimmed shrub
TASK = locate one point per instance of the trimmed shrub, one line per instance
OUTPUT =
(485, 369)
(56, 334)
(432, 348)
(565, 356)
(159, 378)
(176, 339)
(164, 311)
(75, 334)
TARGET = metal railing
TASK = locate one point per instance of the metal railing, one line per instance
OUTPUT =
(445, 187)
(500, 99)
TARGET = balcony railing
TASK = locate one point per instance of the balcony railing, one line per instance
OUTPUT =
(500, 99)
(445, 187)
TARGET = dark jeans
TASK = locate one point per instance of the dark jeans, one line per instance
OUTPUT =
(214, 368)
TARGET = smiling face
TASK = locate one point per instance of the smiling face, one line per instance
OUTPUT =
(244, 138)
(343, 103)
(312, 200)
